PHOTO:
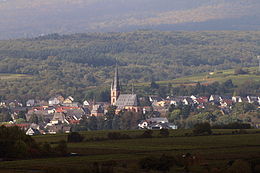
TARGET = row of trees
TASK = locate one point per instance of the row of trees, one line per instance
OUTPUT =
(123, 121)
(14, 143)
(187, 117)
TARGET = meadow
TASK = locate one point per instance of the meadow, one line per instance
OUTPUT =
(214, 151)
(6, 76)
(214, 76)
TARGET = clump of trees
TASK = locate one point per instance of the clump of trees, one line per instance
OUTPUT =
(163, 163)
(75, 137)
(202, 128)
(15, 144)
(164, 133)
(117, 135)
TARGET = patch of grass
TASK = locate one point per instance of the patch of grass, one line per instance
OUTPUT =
(4, 76)
(206, 78)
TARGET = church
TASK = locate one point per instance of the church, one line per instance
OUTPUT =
(123, 102)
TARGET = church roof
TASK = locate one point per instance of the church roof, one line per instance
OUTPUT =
(126, 100)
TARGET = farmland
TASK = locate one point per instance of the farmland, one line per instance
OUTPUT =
(215, 150)
(216, 76)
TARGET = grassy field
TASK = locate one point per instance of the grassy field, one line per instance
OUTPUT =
(13, 76)
(207, 78)
(214, 151)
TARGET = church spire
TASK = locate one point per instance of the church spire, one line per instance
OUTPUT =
(115, 87)
(115, 84)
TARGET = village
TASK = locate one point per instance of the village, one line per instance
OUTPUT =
(59, 114)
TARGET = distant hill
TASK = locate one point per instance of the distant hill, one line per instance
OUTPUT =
(28, 18)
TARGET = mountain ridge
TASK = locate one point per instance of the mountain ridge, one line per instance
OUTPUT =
(30, 18)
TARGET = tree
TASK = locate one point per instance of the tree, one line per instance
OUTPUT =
(228, 84)
(62, 148)
(175, 115)
(202, 128)
(75, 137)
(240, 71)
(147, 134)
(93, 123)
(154, 85)
(164, 132)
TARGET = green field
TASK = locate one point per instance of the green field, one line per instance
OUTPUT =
(216, 76)
(13, 76)
(214, 151)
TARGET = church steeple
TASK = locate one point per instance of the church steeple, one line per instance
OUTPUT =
(115, 88)
(115, 83)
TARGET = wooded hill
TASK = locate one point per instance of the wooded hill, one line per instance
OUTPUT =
(72, 64)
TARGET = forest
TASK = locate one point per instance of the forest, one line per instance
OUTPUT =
(79, 64)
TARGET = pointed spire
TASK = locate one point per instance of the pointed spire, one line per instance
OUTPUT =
(133, 88)
(115, 84)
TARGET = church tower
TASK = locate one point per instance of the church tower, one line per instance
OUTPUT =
(115, 88)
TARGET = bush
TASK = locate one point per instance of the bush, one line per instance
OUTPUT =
(117, 135)
(240, 166)
(202, 128)
(235, 125)
(75, 137)
(240, 71)
(164, 133)
(62, 148)
(164, 163)
(147, 134)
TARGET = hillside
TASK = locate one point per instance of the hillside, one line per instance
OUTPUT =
(72, 64)
(29, 18)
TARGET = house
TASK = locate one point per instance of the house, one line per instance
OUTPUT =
(155, 99)
(68, 100)
(11, 103)
(162, 103)
(193, 97)
(214, 98)
(156, 123)
(72, 104)
(187, 101)
(156, 126)
(97, 110)
(30, 103)
(75, 113)
(160, 111)
(56, 100)
(226, 103)
(201, 100)
(237, 99)
(59, 117)
(143, 124)
(31, 131)
(86, 103)
(157, 120)
(147, 109)
(159, 126)
(59, 128)
(175, 101)
(253, 99)
(24, 126)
